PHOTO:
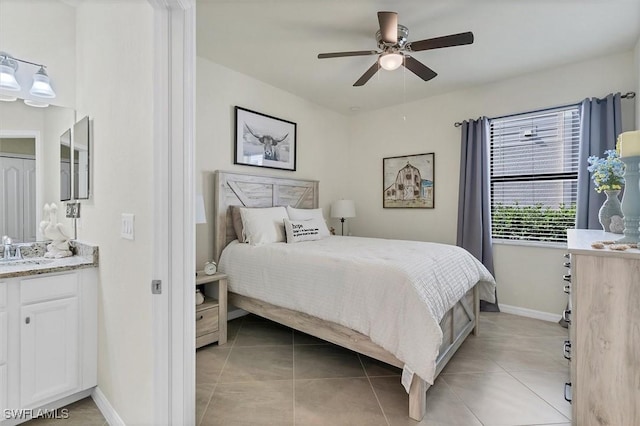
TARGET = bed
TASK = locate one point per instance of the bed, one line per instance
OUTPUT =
(265, 280)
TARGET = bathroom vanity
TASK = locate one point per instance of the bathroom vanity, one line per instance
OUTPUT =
(48, 332)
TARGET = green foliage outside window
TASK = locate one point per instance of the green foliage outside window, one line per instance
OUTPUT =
(532, 223)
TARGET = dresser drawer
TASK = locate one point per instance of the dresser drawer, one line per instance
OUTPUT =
(207, 321)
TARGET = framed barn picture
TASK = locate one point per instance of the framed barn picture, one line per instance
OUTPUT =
(408, 181)
(264, 141)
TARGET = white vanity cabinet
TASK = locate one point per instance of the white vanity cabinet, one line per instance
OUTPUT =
(4, 332)
(52, 339)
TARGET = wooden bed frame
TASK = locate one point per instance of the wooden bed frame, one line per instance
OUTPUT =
(237, 189)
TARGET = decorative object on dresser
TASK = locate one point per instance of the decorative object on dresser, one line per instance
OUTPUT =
(211, 314)
(608, 176)
(604, 317)
(629, 148)
(343, 209)
(264, 141)
(408, 181)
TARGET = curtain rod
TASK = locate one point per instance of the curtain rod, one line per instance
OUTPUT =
(628, 95)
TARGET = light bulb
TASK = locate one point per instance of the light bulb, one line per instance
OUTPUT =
(391, 61)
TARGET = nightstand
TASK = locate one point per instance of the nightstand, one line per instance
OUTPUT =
(211, 316)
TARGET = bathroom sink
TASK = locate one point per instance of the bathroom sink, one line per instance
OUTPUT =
(21, 262)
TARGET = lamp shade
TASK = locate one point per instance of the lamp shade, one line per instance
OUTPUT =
(41, 85)
(8, 77)
(343, 208)
(201, 215)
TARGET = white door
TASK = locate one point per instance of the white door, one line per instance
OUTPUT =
(29, 224)
(49, 350)
(11, 193)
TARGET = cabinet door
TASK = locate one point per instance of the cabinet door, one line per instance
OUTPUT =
(49, 350)
(3, 390)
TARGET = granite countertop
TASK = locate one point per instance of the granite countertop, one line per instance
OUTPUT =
(34, 263)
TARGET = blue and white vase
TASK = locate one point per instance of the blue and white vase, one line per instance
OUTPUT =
(610, 214)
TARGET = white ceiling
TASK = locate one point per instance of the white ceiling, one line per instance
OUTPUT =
(277, 42)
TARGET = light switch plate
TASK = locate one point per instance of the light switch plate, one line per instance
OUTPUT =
(127, 226)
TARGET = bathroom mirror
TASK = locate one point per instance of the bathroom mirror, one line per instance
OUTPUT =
(65, 166)
(81, 157)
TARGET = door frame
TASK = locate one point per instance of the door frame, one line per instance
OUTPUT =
(173, 311)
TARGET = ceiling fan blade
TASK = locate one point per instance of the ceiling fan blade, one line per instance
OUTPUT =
(418, 68)
(388, 26)
(343, 54)
(440, 42)
(367, 75)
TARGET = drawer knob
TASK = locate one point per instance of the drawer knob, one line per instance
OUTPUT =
(200, 318)
(27, 320)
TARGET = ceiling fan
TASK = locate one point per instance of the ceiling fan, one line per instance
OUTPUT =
(395, 48)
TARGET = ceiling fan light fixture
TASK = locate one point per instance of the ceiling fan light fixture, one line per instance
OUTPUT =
(391, 61)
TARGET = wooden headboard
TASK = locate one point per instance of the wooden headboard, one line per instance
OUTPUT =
(238, 189)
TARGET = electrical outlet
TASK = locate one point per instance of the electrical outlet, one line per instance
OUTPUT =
(127, 226)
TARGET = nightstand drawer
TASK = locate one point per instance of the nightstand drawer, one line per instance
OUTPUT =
(207, 321)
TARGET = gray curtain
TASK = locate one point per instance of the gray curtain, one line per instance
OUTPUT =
(600, 125)
(474, 197)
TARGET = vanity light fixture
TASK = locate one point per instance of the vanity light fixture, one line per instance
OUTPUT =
(41, 86)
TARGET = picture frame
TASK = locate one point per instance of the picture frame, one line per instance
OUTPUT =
(408, 181)
(262, 140)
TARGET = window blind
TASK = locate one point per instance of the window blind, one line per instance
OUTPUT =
(534, 174)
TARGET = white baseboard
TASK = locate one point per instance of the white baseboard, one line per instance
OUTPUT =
(105, 407)
(529, 313)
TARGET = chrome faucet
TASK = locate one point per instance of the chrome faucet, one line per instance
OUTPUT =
(6, 241)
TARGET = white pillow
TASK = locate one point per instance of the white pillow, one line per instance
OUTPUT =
(263, 225)
(303, 230)
(306, 214)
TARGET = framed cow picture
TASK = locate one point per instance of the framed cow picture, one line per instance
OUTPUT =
(408, 181)
(264, 141)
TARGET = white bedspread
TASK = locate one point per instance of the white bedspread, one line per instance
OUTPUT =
(395, 292)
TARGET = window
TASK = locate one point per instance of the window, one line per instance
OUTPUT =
(534, 174)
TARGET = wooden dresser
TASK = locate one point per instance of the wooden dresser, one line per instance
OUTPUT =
(604, 331)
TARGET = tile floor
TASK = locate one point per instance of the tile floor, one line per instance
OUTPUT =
(512, 374)
(80, 413)
(267, 374)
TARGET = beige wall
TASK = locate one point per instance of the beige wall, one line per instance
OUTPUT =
(115, 88)
(322, 138)
(21, 146)
(527, 277)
